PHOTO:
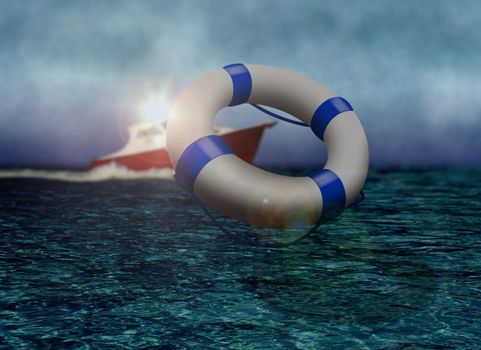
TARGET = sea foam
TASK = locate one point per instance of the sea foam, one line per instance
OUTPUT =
(110, 171)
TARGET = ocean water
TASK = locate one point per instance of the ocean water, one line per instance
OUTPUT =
(137, 263)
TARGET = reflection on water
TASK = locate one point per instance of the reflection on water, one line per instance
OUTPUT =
(137, 263)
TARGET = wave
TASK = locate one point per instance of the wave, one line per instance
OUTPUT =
(106, 172)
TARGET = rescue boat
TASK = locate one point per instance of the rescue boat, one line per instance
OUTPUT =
(146, 146)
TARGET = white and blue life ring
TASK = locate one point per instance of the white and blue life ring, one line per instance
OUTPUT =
(205, 165)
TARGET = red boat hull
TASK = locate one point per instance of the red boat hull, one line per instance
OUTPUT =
(243, 142)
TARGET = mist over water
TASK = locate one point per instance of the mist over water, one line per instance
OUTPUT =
(408, 68)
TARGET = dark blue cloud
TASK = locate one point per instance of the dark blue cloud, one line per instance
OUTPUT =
(410, 69)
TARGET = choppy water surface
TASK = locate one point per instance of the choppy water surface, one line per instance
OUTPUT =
(138, 264)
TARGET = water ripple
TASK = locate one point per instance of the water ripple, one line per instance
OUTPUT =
(138, 264)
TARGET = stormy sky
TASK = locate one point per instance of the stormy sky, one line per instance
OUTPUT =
(73, 72)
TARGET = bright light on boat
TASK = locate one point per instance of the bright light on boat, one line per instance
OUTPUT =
(154, 107)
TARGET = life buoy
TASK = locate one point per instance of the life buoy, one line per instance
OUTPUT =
(205, 165)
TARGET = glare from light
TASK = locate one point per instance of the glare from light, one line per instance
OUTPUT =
(154, 107)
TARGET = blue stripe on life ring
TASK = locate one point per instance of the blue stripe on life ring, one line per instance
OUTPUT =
(327, 111)
(195, 158)
(332, 190)
(242, 83)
